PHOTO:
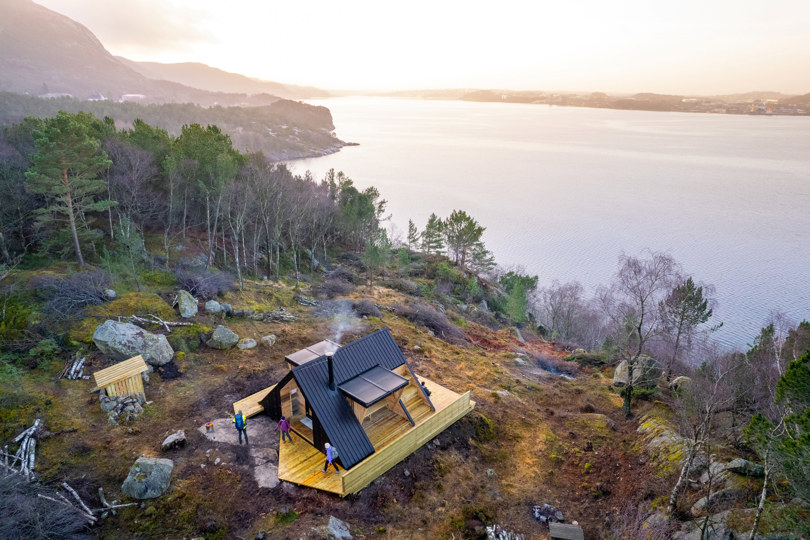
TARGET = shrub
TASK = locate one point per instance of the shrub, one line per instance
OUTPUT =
(25, 515)
(366, 308)
(343, 274)
(66, 296)
(204, 283)
(485, 429)
(422, 314)
(588, 359)
(335, 287)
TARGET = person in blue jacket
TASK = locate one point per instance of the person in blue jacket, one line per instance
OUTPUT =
(240, 423)
(331, 453)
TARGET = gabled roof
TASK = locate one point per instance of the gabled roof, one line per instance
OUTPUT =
(332, 410)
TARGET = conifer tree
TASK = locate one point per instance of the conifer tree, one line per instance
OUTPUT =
(66, 167)
(413, 236)
(432, 240)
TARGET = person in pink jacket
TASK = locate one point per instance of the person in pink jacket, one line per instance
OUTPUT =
(284, 426)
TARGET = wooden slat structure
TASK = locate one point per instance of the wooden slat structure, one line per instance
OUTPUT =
(122, 378)
(250, 405)
(394, 438)
(564, 531)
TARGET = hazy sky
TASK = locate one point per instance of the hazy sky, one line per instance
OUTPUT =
(690, 46)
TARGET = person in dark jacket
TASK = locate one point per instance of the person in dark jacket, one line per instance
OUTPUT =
(240, 423)
(284, 426)
(331, 454)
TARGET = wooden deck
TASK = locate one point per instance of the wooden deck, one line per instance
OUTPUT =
(122, 378)
(393, 438)
(250, 405)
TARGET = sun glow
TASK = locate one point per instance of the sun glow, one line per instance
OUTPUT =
(630, 45)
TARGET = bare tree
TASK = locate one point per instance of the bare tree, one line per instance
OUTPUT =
(632, 305)
(696, 405)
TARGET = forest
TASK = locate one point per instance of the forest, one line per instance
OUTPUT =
(140, 208)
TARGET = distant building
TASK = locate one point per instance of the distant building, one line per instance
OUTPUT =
(55, 95)
(132, 97)
(96, 96)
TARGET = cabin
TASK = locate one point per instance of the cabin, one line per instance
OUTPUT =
(122, 378)
(365, 400)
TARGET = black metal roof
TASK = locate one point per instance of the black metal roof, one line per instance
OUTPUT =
(330, 406)
(373, 385)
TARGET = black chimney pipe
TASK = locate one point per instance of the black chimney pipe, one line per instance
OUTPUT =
(329, 363)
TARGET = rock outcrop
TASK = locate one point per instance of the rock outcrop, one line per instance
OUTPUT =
(223, 338)
(246, 343)
(124, 340)
(175, 440)
(148, 478)
(646, 373)
(745, 468)
(187, 304)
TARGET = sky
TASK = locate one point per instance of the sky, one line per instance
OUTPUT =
(685, 47)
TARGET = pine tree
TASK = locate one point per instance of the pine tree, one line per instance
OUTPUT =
(65, 171)
(461, 232)
(413, 236)
(432, 240)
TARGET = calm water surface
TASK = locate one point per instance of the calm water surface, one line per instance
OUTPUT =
(563, 191)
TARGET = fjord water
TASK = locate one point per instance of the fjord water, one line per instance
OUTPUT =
(563, 191)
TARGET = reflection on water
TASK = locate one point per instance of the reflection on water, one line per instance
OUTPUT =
(563, 191)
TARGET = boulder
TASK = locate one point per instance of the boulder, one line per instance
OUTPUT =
(175, 440)
(246, 343)
(223, 338)
(334, 529)
(269, 340)
(148, 478)
(646, 373)
(520, 362)
(680, 383)
(110, 294)
(212, 306)
(187, 304)
(724, 496)
(124, 340)
(745, 468)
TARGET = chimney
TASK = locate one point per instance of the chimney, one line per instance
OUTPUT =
(329, 363)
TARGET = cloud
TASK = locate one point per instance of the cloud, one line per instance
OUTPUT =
(143, 28)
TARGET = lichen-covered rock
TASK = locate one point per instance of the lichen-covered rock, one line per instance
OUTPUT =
(187, 304)
(110, 294)
(148, 478)
(646, 373)
(175, 440)
(269, 340)
(223, 338)
(246, 343)
(745, 468)
(664, 445)
(124, 340)
(212, 306)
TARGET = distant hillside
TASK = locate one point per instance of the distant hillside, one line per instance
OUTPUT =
(45, 53)
(283, 130)
(213, 79)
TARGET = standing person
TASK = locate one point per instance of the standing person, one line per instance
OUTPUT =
(240, 423)
(331, 453)
(284, 425)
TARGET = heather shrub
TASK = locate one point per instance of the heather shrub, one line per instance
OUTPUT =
(366, 308)
(204, 283)
(424, 315)
(335, 287)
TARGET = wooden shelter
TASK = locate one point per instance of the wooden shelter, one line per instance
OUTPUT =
(362, 398)
(122, 378)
